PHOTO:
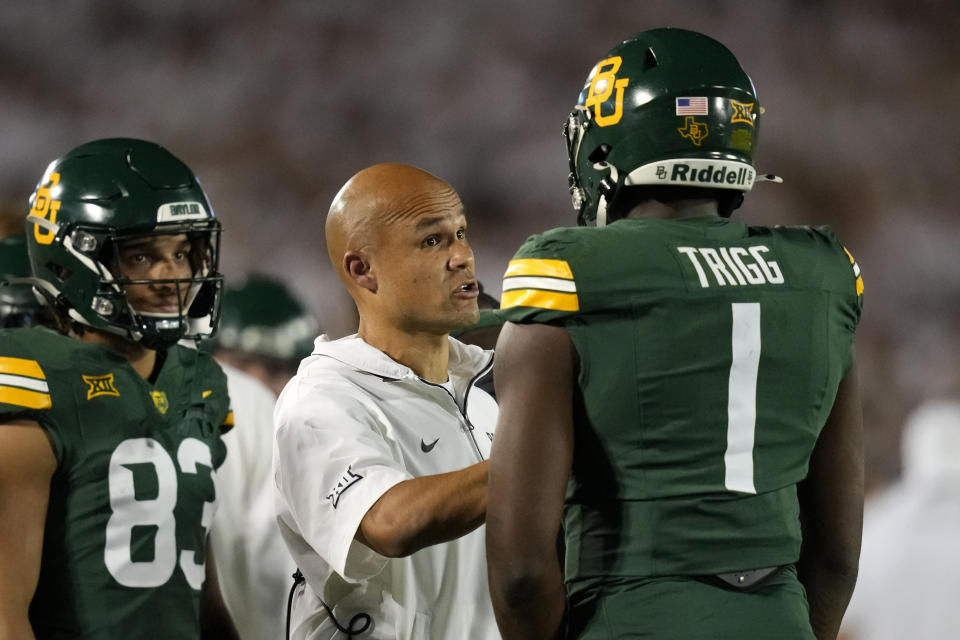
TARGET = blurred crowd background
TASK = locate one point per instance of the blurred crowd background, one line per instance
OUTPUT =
(275, 104)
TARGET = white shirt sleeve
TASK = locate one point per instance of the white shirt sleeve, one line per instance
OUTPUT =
(252, 561)
(334, 463)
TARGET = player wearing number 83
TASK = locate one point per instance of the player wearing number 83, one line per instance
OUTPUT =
(684, 382)
(110, 431)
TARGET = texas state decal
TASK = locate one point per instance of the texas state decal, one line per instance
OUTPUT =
(694, 131)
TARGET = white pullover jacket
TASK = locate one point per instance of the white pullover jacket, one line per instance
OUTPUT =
(350, 425)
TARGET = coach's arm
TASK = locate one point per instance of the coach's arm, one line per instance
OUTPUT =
(424, 511)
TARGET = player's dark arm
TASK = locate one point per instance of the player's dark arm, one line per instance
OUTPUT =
(420, 512)
(529, 467)
(215, 621)
(27, 463)
(831, 512)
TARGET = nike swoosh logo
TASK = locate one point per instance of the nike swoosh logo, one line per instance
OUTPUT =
(427, 448)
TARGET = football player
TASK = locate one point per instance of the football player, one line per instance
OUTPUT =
(677, 388)
(109, 430)
(264, 330)
(19, 307)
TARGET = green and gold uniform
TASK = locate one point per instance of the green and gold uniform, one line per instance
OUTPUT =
(132, 495)
(710, 355)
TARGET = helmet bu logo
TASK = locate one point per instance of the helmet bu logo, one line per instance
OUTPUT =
(44, 206)
(602, 87)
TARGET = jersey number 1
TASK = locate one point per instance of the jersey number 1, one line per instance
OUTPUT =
(155, 513)
(742, 397)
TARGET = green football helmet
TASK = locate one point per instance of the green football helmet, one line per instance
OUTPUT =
(95, 197)
(19, 306)
(261, 317)
(665, 108)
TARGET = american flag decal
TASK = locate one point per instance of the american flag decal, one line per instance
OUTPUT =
(691, 106)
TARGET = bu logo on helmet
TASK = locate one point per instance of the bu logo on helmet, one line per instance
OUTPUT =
(43, 206)
(602, 87)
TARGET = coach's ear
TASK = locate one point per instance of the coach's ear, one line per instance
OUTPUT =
(357, 267)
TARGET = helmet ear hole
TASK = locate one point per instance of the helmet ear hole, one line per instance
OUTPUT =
(649, 59)
(204, 301)
(600, 153)
(61, 272)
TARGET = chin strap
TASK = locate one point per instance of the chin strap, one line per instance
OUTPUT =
(607, 185)
(602, 212)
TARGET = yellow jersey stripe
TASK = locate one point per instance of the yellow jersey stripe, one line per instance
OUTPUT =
(228, 421)
(540, 299)
(539, 267)
(25, 398)
(21, 367)
(856, 272)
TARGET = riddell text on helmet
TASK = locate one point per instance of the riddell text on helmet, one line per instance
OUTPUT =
(721, 176)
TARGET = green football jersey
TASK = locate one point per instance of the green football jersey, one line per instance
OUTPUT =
(132, 496)
(710, 356)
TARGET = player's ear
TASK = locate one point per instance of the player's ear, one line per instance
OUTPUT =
(357, 268)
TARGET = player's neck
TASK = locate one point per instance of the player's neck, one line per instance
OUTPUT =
(692, 208)
(140, 358)
(427, 354)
